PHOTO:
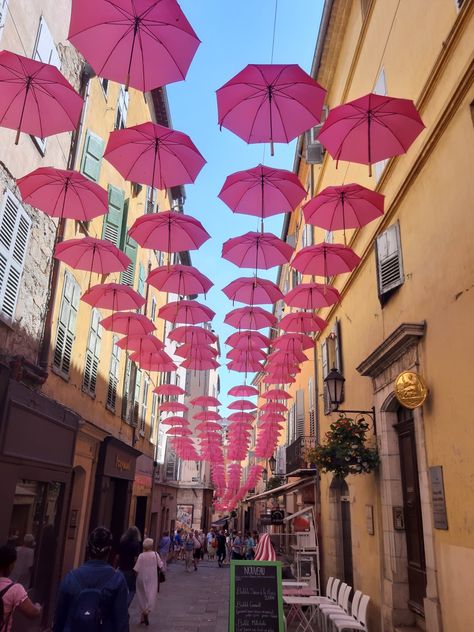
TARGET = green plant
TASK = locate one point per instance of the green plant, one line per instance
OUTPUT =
(344, 452)
(274, 481)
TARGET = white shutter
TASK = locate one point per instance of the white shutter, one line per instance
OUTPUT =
(3, 15)
(389, 260)
(92, 354)
(66, 325)
(113, 375)
(15, 228)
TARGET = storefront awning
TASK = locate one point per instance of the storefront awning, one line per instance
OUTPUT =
(298, 513)
(221, 522)
(283, 489)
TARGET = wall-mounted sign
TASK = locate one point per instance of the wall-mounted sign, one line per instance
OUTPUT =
(438, 499)
(410, 389)
(277, 516)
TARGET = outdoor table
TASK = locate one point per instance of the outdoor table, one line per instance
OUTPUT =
(298, 592)
(296, 605)
(294, 584)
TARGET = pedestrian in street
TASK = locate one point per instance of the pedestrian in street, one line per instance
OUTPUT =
(197, 549)
(164, 548)
(249, 546)
(13, 595)
(25, 558)
(129, 549)
(95, 595)
(228, 545)
(237, 547)
(221, 547)
(178, 544)
(146, 569)
(202, 540)
(209, 538)
(188, 547)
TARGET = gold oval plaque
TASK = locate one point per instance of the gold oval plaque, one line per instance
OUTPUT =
(410, 389)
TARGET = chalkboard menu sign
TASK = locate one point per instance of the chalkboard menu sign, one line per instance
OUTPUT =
(256, 603)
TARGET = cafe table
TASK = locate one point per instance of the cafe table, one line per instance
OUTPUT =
(294, 584)
(296, 610)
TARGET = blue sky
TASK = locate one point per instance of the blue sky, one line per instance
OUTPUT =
(233, 34)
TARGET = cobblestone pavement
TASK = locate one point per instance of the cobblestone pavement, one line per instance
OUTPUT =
(189, 602)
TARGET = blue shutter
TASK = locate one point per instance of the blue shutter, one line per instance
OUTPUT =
(92, 156)
(128, 277)
(113, 222)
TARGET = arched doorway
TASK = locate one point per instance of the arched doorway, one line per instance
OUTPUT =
(341, 527)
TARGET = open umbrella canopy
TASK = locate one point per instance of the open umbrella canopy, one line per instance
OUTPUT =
(241, 404)
(242, 355)
(179, 431)
(128, 323)
(250, 318)
(192, 335)
(268, 103)
(287, 355)
(155, 155)
(257, 250)
(91, 254)
(196, 352)
(245, 366)
(262, 191)
(143, 343)
(173, 407)
(114, 296)
(247, 340)
(278, 379)
(293, 341)
(205, 400)
(62, 193)
(243, 391)
(196, 364)
(253, 291)
(144, 44)
(273, 407)
(169, 390)
(302, 322)
(272, 416)
(312, 296)
(325, 260)
(188, 312)
(174, 420)
(207, 415)
(241, 416)
(155, 360)
(36, 98)
(209, 426)
(179, 279)
(169, 231)
(276, 393)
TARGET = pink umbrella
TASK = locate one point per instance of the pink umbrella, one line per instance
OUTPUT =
(272, 416)
(91, 254)
(173, 407)
(146, 343)
(270, 103)
(262, 191)
(293, 341)
(205, 400)
(209, 426)
(282, 368)
(257, 250)
(325, 260)
(192, 335)
(188, 312)
(241, 355)
(294, 355)
(200, 365)
(241, 404)
(247, 340)
(302, 322)
(207, 415)
(174, 420)
(253, 290)
(181, 432)
(198, 352)
(242, 391)
(155, 360)
(370, 129)
(155, 155)
(278, 379)
(250, 318)
(36, 98)
(179, 279)
(346, 206)
(312, 296)
(241, 417)
(142, 44)
(113, 296)
(64, 194)
(169, 231)
(274, 407)
(245, 366)
(276, 393)
(128, 323)
(169, 390)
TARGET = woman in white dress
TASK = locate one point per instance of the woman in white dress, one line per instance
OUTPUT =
(146, 568)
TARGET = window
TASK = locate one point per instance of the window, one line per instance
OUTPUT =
(141, 279)
(115, 220)
(66, 331)
(299, 421)
(15, 228)
(122, 109)
(389, 261)
(126, 388)
(380, 88)
(153, 417)
(307, 237)
(144, 404)
(104, 83)
(92, 156)
(150, 202)
(153, 309)
(92, 354)
(136, 397)
(128, 277)
(331, 352)
(291, 424)
(3, 15)
(113, 375)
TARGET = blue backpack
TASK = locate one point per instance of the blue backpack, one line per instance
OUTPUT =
(88, 611)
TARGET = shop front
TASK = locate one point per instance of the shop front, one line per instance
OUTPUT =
(141, 499)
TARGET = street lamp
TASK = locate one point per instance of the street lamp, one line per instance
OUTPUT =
(272, 464)
(335, 385)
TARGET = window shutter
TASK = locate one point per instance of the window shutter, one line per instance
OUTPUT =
(67, 318)
(122, 108)
(136, 396)
(126, 388)
(15, 228)
(113, 221)
(141, 279)
(113, 375)
(389, 260)
(144, 407)
(325, 371)
(128, 277)
(3, 15)
(92, 354)
(153, 414)
(299, 413)
(92, 156)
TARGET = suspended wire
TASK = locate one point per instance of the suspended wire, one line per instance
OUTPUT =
(275, 16)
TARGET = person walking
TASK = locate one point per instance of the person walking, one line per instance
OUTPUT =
(237, 547)
(25, 558)
(13, 595)
(164, 548)
(249, 546)
(129, 549)
(197, 549)
(178, 544)
(221, 547)
(188, 547)
(146, 568)
(228, 545)
(95, 595)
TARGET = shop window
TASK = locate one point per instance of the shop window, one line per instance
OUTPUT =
(15, 228)
(3, 15)
(66, 327)
(92, 354)
(331, 352)
(388, 251)
(122, 109)
(113, 376)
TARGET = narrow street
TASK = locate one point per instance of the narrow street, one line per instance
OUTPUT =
(189, 602)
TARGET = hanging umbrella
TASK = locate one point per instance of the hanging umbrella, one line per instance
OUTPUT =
(370, 129)
(196, 352)
(146, 343)
(156, 360)
(128, 323)
(276, 393)
(245, 366)
(142, 44)
(209, 426)
(241, 417)
(312, 296)
(91, 254)
(270, 103)
(295, 355)
(181, 432)
(192, 335)
(179, 279)
(278, 379)
(114, 296)
(257, 250)
(174, 420)
(173, 407)
(155, 155)
(169, 231)
(325, 260)
(169, 390)
(252, 291)
(189, 312)
(207, 415)
(247, 340)
(242, 391)
(241, 404)
(64, 194)
(242, 355)
(302, 322)
(205, 400)
(274, 407)
(200, 365)
(250, 318)
(272, 416)
(262, 191)
(36, 98)
(293, 341)
(342, 207)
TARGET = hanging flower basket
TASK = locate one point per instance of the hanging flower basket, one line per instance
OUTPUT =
(344, 452)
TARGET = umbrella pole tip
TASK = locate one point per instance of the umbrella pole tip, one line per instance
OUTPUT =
(17, 138)
(272, 148)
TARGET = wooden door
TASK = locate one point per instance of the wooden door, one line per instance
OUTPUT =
(412, 510)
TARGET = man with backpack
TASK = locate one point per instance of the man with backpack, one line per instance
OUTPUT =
(13, 596)
(93, 597)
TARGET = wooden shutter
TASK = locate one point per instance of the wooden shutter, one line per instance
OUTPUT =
(92, 153)
(299, 425)
(113, 375)
(92, 354)
(113, 221)
(141, 279)
(66, 326)
(15, 228)
(325, 371)
(389, 260)
(128, 277)
(3, 15)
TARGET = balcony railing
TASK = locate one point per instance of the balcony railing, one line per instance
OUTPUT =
(295, 459)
